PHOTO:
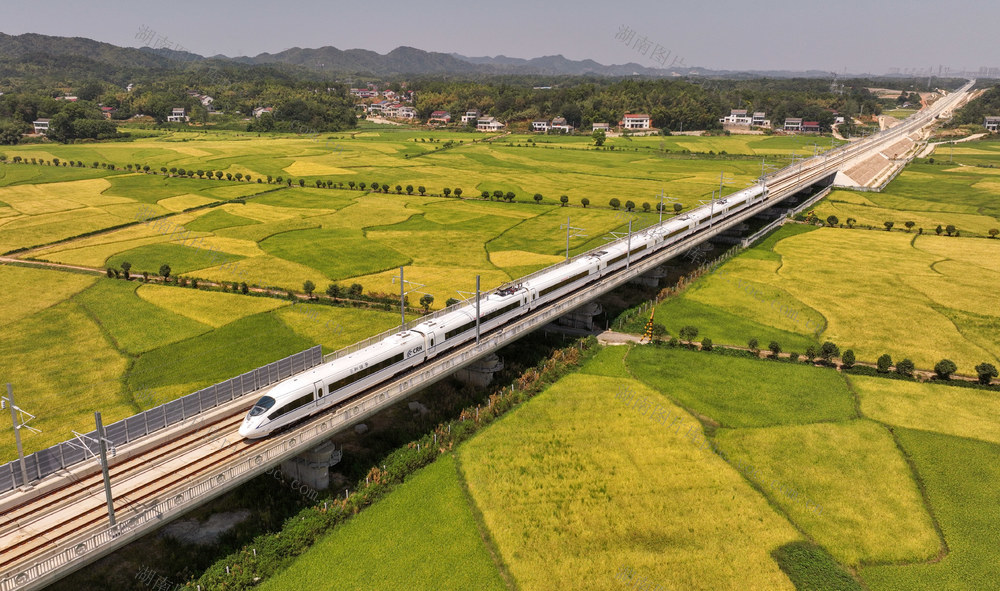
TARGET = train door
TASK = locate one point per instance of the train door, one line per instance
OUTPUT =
(318, 387)
(432, 342)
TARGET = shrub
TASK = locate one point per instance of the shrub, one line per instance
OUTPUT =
(847, 360)
(775, 348)
(945, 368)
(884, 363)
(706, 344)
(828, 351)
(986, 372)
(905, 368)
(810, 352)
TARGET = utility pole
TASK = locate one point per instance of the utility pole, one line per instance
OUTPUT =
(104, 467)
(17, 435)
(571, 232)
(477, 309)
(628, 247)
(402, 301)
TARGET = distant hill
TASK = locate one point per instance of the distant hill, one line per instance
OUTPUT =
(49, 57)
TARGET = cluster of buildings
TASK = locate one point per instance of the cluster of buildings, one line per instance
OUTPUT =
(372, 92)
(557, 124)
(391, 110)
(741, 117)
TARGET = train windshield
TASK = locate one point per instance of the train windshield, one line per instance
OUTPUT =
(262, 406)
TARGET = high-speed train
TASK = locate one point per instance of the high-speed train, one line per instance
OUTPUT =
(329, 383)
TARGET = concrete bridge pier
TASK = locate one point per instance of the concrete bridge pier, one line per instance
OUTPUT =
(582, 317)
(480, 372)
(652, 278)
(312, 468)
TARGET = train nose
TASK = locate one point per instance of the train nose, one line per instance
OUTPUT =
(247, 429)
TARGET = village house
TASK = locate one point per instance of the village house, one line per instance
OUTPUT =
(793, 124)
(760, 119)
(364, 92)
(810, 126)
(258, 111)
(736, 117)
(440, 117)
(559, 123)
(992, 124)
(635, 121)
(605, 127)
(41, 126)
(540, 125)
(471, 115)
(404, 112)
(488, 124)
(177, 115)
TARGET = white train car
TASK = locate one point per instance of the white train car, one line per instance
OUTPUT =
(329, 383)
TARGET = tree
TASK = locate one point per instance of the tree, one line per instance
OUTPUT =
(109, 272)
(585, 202)
(775, 348)
(706, 344)
(888, 226)
(658, 332)
(678, 207)
(629, 205)
(385, 188)
(309, 287)
(938, 230)
(945, 368)
(909, 226)
(832, 221)
(905, 368)
(883, 363)
(302, 182)
(458, 192)
(239, 176)
(564, 199)
(851, 222)
(125, 269)
(847, 359)
(243, 288)
(451, 302)
(219, 174)
(350, 184)
(333, 290)
(537, 197)
(614, 203)
(509, 196)
(165, 271)
(950, 229)
(993, 232)
(446, 191)
(810, 352)
(399, 189)
(986, 373)
(599, 137)
(355, 289)
(828, 351)
(646, 206)
(754, 345)
(421, 189)
(426, 300)
(689, 333)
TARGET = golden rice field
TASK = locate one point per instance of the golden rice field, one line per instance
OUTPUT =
(574, 486)
(918, 297)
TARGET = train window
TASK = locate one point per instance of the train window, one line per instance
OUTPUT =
(297, 403)
(459, 330)
(262, 406)
(565, 282)
(365, 372)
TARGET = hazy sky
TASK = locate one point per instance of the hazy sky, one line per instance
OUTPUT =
(859, 35)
